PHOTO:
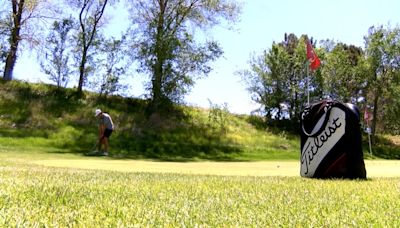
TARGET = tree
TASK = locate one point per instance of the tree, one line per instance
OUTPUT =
(56, 54)
(277, 80)
(166, 47)
(344, 73)
(266, 81)
(26, 19)
(383, 57)
(300, 81)
(90, 14)
(3, 53)
(4, 34)
(391, 123)
(17, 10)
(113, 65)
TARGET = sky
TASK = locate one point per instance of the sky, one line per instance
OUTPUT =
(261, 23)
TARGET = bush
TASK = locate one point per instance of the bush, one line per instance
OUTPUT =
(66, 136)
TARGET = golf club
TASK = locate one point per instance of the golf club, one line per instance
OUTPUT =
(93, 150)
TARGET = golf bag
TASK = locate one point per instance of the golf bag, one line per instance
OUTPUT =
(331, 141)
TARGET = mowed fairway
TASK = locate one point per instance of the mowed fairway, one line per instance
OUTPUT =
(75, 191)
(375, 168)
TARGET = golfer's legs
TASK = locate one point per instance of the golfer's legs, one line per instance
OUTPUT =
(102, 142)
(105, 141)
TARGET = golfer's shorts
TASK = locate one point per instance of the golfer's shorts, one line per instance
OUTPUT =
(107, 133)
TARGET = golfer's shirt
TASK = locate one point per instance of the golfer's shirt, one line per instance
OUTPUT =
(107, 121)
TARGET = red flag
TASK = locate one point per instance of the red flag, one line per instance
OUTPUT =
(367, 116)
(312, 56)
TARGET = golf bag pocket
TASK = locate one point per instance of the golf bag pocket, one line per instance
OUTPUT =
(331, 141)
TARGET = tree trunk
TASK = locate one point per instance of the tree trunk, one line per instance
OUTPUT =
(14, 40)
(82, 71)
(87, 41)
(157, 93)
(156, 101)
(10, 63)
(157, 85)
(374, 115)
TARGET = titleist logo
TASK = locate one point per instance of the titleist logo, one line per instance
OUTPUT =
(316, 148)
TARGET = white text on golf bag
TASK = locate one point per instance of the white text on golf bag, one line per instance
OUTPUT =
(316, 148)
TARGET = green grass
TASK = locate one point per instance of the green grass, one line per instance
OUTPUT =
(195, 167)
(39, 115)
(104, 192)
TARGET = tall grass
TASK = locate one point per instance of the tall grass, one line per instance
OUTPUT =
(45, 116)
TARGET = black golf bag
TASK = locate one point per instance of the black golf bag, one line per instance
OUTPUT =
(331, 141)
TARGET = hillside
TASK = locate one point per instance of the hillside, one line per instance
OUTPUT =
(55, 120)
(38, 115)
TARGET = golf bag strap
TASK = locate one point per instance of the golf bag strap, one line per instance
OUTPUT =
(319, 127)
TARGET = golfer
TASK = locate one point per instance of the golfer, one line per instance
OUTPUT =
(106, 127)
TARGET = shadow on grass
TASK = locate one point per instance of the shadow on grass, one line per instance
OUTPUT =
(61, 119)
(158, 138)
(23, 133)
(181, 145)
(383, 148)
(34, 110)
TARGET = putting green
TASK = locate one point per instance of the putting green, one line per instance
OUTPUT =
(375, 168)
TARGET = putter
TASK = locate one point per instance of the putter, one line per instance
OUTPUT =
(92, 151)
(94, 147)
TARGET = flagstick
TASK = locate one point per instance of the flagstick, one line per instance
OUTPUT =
(370, 146)
(369, 138)
(307, 84)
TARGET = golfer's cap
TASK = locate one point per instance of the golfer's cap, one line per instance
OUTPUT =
(97, 112)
